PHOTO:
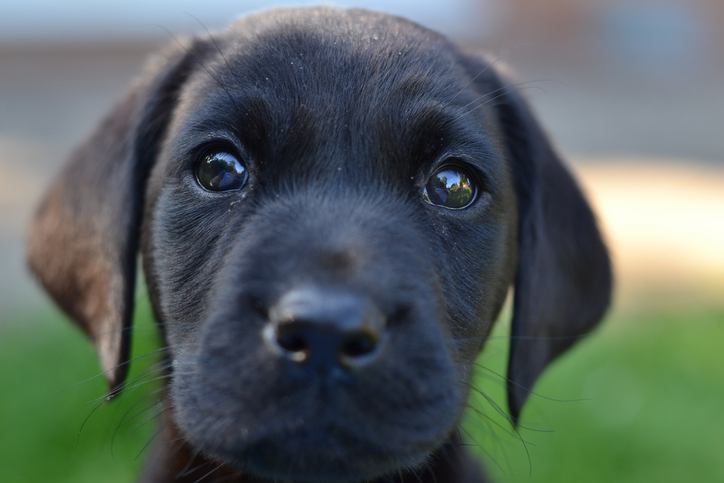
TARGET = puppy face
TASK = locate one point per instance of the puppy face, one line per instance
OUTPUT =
(332, 206)
(341, 195)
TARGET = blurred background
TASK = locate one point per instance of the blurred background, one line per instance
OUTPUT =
(632, 93)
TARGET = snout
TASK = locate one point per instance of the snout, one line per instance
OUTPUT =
(326, 342)
(326, 329)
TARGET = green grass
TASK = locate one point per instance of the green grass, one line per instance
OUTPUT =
(640, 401)
(52, 429)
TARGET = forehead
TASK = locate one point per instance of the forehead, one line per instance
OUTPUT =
(335, 87)
(335, 47)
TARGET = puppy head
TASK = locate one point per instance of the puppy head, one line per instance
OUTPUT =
(331, 206)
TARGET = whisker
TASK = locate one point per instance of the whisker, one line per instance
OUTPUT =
(203, 65)
(221, 53)
(128, 385)
(124, 422)
(148, 443)
(492, 422)
(490, 100)
(485, 69)
(148, 354)
(149, 381)
(190, 468)
(527, 389)
(130, 328)
(516, 428)
(531, 338)
(177, 453)
(208, 474)
(487, 453)
(86, 420)
(417, 476)
(159, 413)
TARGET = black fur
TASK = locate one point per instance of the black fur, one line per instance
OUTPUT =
(341, 117)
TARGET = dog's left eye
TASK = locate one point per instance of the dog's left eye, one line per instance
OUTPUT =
(451, 187)
(221, 171)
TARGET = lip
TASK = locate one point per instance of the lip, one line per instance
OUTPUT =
(338, 453)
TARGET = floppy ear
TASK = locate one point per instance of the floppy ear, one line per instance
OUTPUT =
(563, 282)
(84, 237)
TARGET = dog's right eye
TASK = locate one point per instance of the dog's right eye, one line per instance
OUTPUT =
(220, 171)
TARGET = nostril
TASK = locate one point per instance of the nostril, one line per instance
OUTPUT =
(293, 342)
(358, 344)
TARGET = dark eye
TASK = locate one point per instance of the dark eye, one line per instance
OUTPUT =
(450, 187)
(221, 172)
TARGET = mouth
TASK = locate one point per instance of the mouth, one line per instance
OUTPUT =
(324, 454)
(317, 436)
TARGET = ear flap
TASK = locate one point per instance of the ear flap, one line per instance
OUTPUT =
(84, 238)
(563, 283)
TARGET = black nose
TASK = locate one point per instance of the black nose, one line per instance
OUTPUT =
(325, 328)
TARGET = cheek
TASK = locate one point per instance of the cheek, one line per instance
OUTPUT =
(477, 272)
(186, 245)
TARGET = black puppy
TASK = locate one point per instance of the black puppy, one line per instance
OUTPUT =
(331, 206)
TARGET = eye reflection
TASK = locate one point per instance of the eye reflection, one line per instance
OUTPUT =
(450, 187)
(221, 172)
